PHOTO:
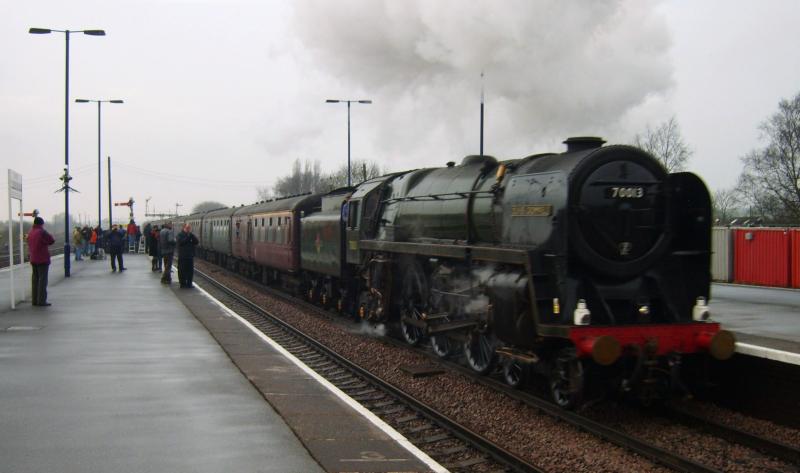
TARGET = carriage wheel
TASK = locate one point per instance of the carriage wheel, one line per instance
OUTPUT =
(479, 351)
(566, 379)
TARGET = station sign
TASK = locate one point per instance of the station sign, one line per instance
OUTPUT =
(14, 185)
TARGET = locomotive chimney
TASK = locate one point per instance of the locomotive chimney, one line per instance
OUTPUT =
(582, 143)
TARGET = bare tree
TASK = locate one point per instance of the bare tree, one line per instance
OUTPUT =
(264, 193)
(306, 176)
(208, 205)
(666, 144)
(725, 204)
(770, 181)
(362, 170)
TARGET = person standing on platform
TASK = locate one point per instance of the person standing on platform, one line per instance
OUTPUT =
(87, 234)
(138, 238)
(152, 247)
(186, 243)
(147, 229)
(116, 241)
(93, 244)
(77, 243)
(166, 243)
(38, 241)
(100, 244)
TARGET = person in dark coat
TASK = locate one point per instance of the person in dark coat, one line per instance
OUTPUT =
(152, 247)
(186, 243)
(147, 229)
(166, 244)
(115, 241)
(38, 241)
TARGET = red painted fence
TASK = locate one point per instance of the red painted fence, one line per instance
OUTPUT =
(764, 256)
(795, 258)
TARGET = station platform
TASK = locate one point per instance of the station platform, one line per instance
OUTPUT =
(766, 320)
(119, 374)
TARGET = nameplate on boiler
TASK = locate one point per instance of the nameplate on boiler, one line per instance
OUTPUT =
(531, 210)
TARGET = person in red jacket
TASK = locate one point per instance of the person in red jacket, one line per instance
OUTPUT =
(38, 241)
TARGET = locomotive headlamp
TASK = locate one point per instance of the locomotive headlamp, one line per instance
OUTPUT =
(700, 311)
(582, 315)
(644, 310)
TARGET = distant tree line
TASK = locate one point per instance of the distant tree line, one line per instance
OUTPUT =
(307, 176)
(768, 189)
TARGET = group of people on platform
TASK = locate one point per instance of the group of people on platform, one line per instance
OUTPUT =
(160, 244)
(94, 242)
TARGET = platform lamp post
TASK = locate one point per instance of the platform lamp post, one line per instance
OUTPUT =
(66, 177)
(99, 161)
(348, 102)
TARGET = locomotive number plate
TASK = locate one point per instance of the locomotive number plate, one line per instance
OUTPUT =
(634, 192)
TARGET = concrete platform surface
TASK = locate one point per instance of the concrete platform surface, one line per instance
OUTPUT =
(340, 434)
(760, 316)
(119, 376)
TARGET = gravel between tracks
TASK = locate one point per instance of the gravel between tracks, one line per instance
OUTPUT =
(536, 437)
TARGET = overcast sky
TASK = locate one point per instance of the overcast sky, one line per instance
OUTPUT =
(222, 95)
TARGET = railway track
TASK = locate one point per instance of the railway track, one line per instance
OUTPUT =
(769, 447)
(654, 453)
(4, 259)
(423, 425)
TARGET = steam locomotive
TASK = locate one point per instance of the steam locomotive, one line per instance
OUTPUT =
(582, 265)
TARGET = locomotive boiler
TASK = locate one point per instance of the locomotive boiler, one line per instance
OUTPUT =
(591, 260)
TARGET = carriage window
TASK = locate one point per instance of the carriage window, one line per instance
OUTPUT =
(279, 221)
(262, 221)
(270, 221)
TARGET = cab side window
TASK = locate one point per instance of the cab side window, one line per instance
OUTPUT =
(352, 215)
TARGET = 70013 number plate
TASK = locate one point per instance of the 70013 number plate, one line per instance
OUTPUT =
(622, 192)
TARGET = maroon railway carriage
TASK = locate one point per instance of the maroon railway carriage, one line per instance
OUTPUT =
(265, 237)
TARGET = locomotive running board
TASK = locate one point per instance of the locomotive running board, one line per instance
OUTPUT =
(481, 253)
(522, 356)
(439, 328)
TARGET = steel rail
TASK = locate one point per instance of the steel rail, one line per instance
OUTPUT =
(481, 443)
(653, 453)
(769, 447)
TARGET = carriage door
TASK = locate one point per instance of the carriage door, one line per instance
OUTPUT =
(249, 248)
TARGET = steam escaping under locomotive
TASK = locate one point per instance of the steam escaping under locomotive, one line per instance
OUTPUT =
(588, 266)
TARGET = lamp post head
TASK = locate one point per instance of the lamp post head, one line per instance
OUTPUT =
(95, 32)
(82, 101)
(116, 101)
(332, 101)
(39, 31)
(365, 101)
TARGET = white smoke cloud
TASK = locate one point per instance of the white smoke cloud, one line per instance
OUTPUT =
(370, 330)
(553, 68)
